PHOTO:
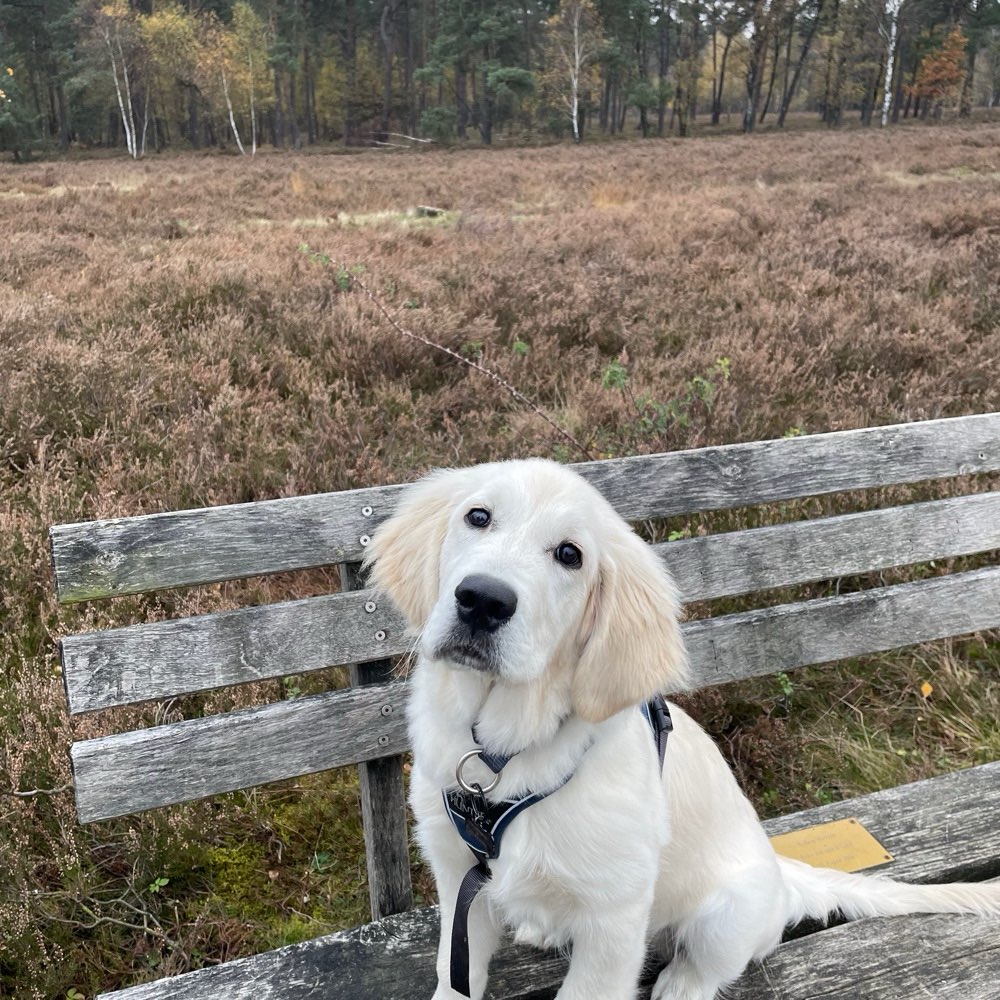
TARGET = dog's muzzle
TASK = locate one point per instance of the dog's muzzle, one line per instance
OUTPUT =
(482, 605)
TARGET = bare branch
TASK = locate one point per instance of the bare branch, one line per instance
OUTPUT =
(35, 791)
(482, 369)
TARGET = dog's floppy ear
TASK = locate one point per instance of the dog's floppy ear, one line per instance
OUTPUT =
(402, 558)
(632, 644)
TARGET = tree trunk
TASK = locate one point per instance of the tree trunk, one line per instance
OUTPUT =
(890, 56)
(717, 107)
(194, 135)
(828, 77)
(124, 99)
(253, 107)
(789, 93)
(663, 53)
(965, 100)
(278, 113)
(486, 111)
(62, 108)
(145, 120)
(349, 50)
(774, 76)
(387, 35)
(462, 100)
(232, 117)
(408, 67)
(293, 121)
(756, 56)
(309, 84)
(899, 89)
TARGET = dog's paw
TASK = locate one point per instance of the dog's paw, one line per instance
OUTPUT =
(531, 935)
(679, 981)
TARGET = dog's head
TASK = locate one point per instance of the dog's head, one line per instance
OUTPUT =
(522, 569)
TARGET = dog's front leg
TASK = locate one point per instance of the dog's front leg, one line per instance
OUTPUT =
(607, 958)
(484, 936)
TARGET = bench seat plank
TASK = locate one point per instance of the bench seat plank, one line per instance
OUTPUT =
(167, 658)
(897, 958)
(183, 548)
(128, 772)
(938, 830)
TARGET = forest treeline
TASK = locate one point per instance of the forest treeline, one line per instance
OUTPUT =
(151, 74)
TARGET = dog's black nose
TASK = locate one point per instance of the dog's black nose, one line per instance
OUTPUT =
(484, 603)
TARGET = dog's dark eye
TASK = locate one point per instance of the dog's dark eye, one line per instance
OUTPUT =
(478, 517)
(569, 555)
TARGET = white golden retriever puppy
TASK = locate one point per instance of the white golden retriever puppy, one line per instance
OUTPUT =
(544, 623)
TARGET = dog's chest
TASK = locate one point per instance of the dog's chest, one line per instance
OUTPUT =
(539, 904)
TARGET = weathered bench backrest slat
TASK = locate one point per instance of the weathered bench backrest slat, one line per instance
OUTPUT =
(167, 658)
(768, 640)
(133, 555)
(783, 555)
(128, 772)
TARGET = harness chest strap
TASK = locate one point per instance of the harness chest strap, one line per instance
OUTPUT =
(481, 824)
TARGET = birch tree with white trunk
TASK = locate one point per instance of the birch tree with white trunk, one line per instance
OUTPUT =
(229, 60)
(574, 40)
(888, 26)
(110, 20)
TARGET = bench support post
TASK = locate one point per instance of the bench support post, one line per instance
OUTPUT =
(383, 801)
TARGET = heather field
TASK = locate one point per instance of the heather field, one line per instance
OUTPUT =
(191, 330)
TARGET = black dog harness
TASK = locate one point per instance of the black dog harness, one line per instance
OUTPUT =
(481, 824)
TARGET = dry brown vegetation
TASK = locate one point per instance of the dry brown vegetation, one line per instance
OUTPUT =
(166, 341)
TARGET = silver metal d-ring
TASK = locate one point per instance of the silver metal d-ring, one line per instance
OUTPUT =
(477, 787)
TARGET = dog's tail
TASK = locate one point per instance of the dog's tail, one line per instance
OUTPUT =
(820, 892)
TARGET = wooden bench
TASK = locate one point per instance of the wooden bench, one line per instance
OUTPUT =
(940, 829)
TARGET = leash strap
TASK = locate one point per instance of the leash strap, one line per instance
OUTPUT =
(475, 878)
(657, 714)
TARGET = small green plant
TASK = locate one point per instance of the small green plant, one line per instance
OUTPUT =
(769, 797)
(292, 688)
(74, 994)
(345, 275)
(473, 349)
(820, 793)
(158, 884)
(321, 861)
(785, 683)
(677, 535)
(655, 417)
(615, 376)
(314, 256)
(520, 348)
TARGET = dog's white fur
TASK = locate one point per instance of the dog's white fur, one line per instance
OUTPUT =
(619, 858)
